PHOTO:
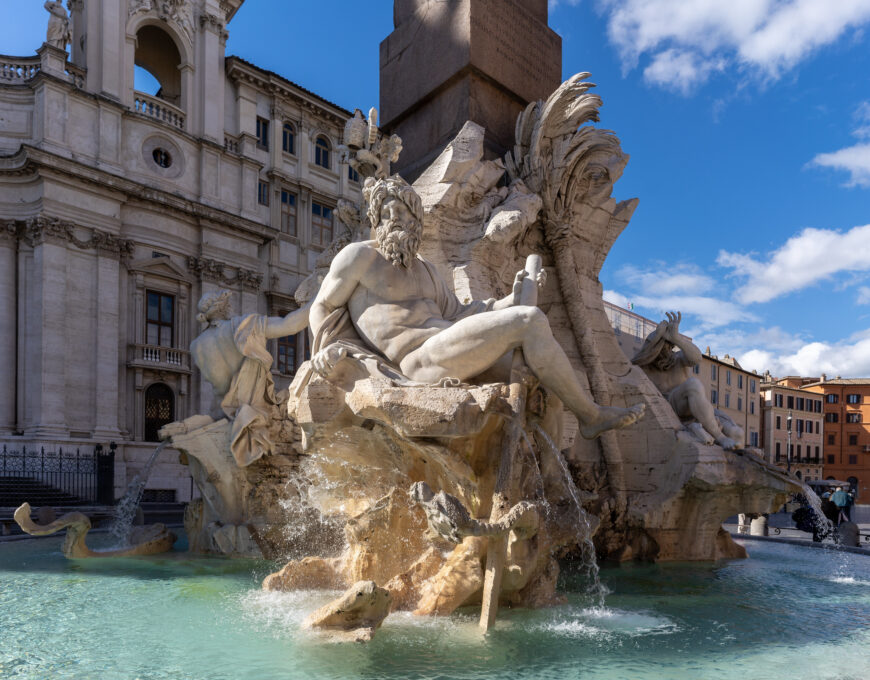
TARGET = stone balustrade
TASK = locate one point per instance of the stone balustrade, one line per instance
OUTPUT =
(154, 107)
(154, 356)
(18, 69)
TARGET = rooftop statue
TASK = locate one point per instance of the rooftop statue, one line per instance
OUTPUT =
(57, 34)
(667, 357)
(381, 296)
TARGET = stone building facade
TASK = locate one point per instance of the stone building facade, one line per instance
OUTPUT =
(120, 208)
(846, 448)
(779, 400)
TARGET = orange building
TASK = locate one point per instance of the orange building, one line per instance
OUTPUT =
(847, 431)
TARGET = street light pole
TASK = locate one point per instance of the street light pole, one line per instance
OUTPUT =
(788, 446)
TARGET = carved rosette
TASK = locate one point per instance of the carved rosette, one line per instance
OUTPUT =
(207, 269)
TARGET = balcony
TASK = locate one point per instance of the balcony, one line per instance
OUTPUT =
(158, 109)
(158, 358)
(15, 70)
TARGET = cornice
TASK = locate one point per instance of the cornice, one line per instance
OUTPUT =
(30, 160)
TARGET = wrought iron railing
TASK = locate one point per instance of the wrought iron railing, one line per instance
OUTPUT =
(64, 476)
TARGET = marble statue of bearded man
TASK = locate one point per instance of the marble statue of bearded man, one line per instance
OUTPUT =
(380, 297)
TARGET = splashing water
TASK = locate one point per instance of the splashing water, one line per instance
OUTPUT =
(125, 510)
(539, 478)
(589, 563)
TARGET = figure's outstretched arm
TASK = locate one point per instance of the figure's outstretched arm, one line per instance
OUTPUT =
(295, 321)
(339, 283)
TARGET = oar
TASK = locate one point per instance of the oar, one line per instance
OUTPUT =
(507, 472)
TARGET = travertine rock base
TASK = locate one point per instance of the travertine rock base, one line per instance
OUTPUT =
(356, 615)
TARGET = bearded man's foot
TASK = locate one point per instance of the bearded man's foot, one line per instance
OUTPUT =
(727, 443)
(612, 418)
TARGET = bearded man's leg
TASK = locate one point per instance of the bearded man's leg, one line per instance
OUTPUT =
(472, 345)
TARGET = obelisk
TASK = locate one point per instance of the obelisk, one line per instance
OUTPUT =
(449, 61)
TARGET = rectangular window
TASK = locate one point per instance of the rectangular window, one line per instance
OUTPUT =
(831, 440)
(752, 385)
(853, 398)
(777, 400)
(263, 193)
(713, 371)
(714, 396)
(739, 403)
(262, 133)
(789, 401)
(740, 380)
(696, 369)
(809, 427)
(853, 440)
(752, 406)
(778, 423)
(286, 359)
(798, 451)
(853, 417)
(288, 139)
(853, 459)
(352, 174)
(727, 377)
(728, 401)
(321, 224)
(832, 398)
(800, 426)
(777, 450)
(288, 212)
(800, 404)
(832, 418)
(753, 439)
(830, 459)
(818, 403)
(159, 319)
(817, 454)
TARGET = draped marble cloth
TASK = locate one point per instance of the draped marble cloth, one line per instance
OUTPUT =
(250, 401)
(338, 329)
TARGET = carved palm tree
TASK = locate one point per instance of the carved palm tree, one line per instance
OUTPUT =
(571, 166)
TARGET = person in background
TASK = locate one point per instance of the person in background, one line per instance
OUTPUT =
(841, 499)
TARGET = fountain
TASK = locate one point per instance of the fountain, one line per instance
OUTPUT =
(463, 354)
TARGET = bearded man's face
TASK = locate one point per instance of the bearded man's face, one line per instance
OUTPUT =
(398, 233)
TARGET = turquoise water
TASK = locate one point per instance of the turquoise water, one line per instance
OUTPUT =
(787, 612)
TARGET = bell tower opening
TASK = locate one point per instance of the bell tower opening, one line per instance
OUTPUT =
(157, 61)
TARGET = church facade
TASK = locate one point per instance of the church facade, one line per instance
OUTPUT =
(119, 208)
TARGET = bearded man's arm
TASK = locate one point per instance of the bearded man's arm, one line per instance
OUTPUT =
(339, 284)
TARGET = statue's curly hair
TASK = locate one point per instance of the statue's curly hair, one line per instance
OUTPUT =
(376, 192)
(212, 306)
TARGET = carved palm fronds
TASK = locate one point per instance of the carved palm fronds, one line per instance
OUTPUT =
(563, 159)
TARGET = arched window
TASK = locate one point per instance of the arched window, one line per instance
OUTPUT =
(157, 56)
(321, 152)
(288, 138)
(159, 410)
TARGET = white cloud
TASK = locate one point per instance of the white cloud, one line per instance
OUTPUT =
(863, 295)
(853, 159)
(688, 40)
(666, 279)
(615, 298)
(848, 358)
(553, 4)
(805, 259)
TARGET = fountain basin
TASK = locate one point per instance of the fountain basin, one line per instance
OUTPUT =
(195, 617)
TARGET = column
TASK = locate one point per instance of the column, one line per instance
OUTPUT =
(8, 304)
(107, 360)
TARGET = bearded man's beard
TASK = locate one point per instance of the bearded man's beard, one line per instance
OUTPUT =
(399, 242)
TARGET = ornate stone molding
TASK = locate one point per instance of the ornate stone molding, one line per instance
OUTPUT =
(38, 230)
(215, 24)
(212, 270)
(179, 12)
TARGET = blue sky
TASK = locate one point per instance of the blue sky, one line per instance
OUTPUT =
(748, 126)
